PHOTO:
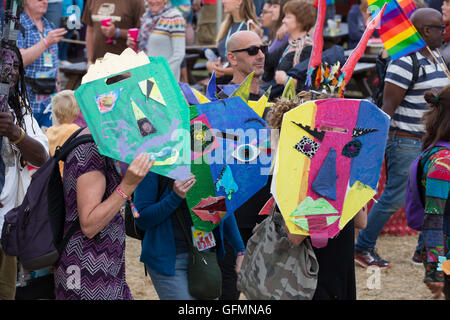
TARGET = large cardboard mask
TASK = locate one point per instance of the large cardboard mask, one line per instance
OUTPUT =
(230, 151)
(132, 109)
(328, 164)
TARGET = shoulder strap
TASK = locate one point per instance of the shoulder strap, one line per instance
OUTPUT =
(68, 147)
(180, 217)
(443, 144)
(73, 228)
(415, 70)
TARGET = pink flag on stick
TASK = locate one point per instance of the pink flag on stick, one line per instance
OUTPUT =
(357, 53)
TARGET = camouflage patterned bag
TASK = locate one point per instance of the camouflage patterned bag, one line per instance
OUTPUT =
(273, 268)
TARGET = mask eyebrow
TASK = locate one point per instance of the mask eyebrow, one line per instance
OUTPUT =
(358, 132)
(333, 129)
(257, 120)
(228, 136)
(315, 133)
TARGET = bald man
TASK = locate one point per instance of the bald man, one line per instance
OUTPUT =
(405, 104)
(246, 54)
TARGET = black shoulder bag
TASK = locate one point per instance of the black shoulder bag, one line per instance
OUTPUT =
(204, 275)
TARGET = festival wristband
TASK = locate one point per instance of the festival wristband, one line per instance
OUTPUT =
(122, 194)
(117, 33)
(46, 44)
(22, 135)
(242, 253)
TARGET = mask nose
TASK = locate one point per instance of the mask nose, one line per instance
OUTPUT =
(325, 182)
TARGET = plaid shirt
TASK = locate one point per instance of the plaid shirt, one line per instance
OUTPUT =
(32, 36)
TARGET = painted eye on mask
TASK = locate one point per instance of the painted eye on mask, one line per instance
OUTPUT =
(352, 149)
(202, 137)
(246, 153)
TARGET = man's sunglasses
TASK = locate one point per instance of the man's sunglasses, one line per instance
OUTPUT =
(253, 50)
(442, 28)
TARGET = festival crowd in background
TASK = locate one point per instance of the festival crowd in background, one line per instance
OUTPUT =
(270, 38)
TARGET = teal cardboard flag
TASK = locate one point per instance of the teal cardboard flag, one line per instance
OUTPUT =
(140, 110)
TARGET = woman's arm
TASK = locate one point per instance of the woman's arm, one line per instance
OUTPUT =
(178, 40)
(296, 239)
(94, 213)
(154, 211)
(233, 236)
(90, 43)
(361, 218)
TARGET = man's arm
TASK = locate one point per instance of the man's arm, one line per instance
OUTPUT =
(90, 43)
(392, 97)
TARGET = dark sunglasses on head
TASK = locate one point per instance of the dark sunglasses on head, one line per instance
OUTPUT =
(253, 50)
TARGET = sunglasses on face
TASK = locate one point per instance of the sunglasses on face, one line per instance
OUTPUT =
(441, 28)
(253, 50)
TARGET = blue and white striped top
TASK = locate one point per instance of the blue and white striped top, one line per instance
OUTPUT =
(409, 113)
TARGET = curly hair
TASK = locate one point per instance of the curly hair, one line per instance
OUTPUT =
(437, 118)
(283, 105)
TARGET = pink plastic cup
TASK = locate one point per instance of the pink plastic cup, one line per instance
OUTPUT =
(133, 32)
(105, 23)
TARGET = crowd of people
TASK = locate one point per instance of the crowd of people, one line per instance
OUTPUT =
(267, 38)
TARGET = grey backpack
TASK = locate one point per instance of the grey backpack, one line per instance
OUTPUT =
(275, 269)
(34, 231)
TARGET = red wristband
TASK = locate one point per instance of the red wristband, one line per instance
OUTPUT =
(122, 194)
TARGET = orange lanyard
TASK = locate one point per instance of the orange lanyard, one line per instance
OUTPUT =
(40, 35)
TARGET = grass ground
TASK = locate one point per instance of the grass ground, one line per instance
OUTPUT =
(403, 281)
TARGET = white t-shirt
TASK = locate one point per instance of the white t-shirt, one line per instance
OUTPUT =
(17, 178)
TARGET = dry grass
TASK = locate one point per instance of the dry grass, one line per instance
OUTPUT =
(401, 282)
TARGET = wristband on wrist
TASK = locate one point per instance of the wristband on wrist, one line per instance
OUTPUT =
(242, 253)
(122, 194)
(117, 33)
(22, 135)
(46, 44)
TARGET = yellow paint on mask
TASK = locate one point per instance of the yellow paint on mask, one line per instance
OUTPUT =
(201, 98)
(357, 196)
(292, 181)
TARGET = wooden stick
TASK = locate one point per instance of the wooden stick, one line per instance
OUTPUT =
(73, 41)
(443, 61)
(437, 61)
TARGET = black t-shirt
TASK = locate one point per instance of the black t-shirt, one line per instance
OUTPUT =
(247, 214)
(337, 267)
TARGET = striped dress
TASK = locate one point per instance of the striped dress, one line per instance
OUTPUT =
(91, 269)
(408, 115)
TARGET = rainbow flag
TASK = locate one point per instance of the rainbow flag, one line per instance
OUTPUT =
(408, 6)
(398, 34)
